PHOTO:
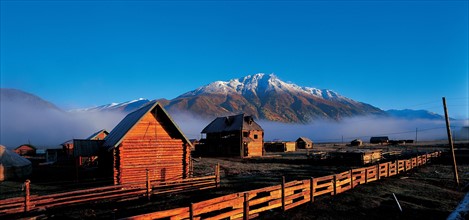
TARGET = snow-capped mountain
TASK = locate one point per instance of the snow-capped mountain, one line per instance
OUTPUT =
(128, 106)
(260, 84)
(265, 96)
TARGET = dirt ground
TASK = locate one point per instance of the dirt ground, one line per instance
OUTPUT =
(426, 192)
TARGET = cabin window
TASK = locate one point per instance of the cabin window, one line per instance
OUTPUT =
(255, 136)
(245, 134)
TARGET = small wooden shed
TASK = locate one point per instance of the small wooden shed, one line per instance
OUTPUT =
(148, 138)
(304, 143)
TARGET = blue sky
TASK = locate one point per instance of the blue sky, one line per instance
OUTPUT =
(391, 54)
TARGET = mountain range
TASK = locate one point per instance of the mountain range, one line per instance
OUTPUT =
(264, 96)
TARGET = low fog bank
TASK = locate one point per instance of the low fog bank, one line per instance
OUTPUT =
(337, 131)
(21, 124)
(50, 127)
(364, 128)
(190, 124)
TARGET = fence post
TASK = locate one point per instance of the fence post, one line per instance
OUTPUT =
(334, 184)
(389, 169)
(378, 171)
(191, 211)
(27, 195)
(283, 193)
(217, 175)
(366, 175)
(311, 188)
(397, 166)
(246, 207)
(351, 179)
(148, 185)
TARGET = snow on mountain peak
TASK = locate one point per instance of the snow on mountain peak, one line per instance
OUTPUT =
(259, 84)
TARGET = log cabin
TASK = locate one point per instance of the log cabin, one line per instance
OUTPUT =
(148, 139)
(237, 135)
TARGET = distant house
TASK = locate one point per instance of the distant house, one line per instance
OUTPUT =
(237, 135)
(69, 146)
(25, 150)
(379, 140)
(86, 151)
(280, 146)
(147, 139)
(304, 143)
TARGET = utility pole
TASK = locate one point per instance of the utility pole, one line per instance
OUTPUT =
(450, 140)
(416, 131)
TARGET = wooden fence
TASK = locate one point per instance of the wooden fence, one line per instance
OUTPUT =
(116, 192)
(287, 195)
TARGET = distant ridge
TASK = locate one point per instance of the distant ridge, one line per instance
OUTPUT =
(414, 114)
(17, 97)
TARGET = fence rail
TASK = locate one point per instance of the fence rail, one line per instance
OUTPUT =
(116, 192)
(287, 195)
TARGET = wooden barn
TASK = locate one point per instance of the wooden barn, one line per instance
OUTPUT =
(147, 139)
(280, 146)
(304, 143)
(25, 150)
(237, 135)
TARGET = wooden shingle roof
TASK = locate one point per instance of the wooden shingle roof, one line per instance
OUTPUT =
(232, 123)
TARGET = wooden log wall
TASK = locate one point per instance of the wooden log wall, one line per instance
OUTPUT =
(285, 196)
(151, 145)
(256, 147)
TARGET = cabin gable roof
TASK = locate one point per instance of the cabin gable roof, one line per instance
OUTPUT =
(304, 139)
(117, 135)
(232, 123)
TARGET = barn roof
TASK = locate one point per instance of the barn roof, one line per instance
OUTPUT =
(305, 139)
(93, 136)
(120, 131)
(232, 123)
